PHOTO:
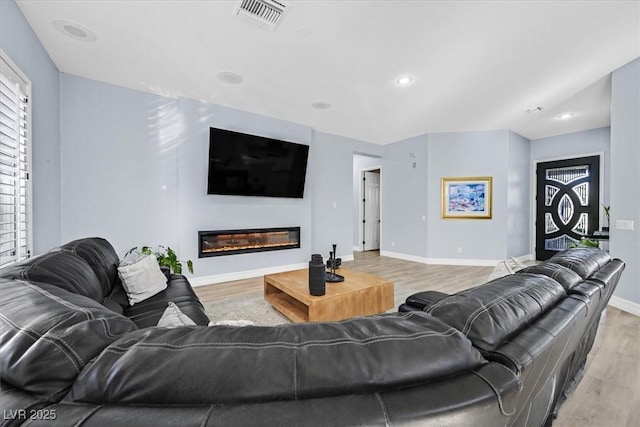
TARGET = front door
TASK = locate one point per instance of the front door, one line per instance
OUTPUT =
(567, 203)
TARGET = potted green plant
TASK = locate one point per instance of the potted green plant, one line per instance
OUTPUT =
(606, 213)
(166, 257)
(585, 243)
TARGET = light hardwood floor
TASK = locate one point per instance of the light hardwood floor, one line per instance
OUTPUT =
(607, 396)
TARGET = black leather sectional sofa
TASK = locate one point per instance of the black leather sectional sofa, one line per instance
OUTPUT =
(502, 354)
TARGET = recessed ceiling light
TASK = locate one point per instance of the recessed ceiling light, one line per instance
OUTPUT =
(320, 105)
(565, 116)
(404, 80)
(303, 32)
(535, 109)
(75, 31)
(229, 77)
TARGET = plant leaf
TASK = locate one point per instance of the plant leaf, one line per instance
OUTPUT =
(190, 266)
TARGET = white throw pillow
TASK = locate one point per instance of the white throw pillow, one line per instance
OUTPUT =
(232, 323)
(174, 317)
(142, 278)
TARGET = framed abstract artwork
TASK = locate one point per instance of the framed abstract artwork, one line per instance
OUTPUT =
(467, 198)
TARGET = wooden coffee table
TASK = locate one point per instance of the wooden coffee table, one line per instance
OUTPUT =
(360, 294)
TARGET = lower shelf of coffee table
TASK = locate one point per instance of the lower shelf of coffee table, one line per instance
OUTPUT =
(289, 306)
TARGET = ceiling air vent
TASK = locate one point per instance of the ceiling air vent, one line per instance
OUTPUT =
(267, 13)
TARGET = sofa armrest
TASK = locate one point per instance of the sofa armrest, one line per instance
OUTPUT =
(423, 300)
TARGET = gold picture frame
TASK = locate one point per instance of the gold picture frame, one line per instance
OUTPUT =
(467, 197)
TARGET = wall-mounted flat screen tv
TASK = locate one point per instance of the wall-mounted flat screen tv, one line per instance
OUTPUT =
(250, 165)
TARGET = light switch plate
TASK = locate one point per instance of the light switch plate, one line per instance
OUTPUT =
(624, 224)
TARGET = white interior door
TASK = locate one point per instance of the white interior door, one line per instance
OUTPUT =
(371, 210)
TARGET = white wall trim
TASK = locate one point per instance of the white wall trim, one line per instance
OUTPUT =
(441, 261)
(625, 305)
(525, 258)
(357, 248)
(249, 274)
(405, 257)
(345, 258)
(468, 262)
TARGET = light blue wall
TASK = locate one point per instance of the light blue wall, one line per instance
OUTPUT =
(331, 189)
(135, 168)
(360, 162)
(410, 193)
(200, 211)
(625, 175)
(404, 197)
(20, 43)
(468, 154)
(117, 156)
(519, 197)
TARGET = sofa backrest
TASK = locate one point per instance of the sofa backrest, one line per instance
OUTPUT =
(100, 256)
(492, 313)
(584, 261)
(198, 365)
(49, 334)
(568, 278)
(63, 269)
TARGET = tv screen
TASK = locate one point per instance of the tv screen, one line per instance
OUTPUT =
(249, 165)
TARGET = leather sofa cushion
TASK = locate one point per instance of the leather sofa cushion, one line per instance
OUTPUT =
(610, 273)
(147, 313)
(222, 364)
(60, 268)
(492, 313)
(561, 274)
(100, 256)
(584, 261)
(49, 335)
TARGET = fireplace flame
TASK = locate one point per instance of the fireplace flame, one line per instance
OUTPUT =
(248, 246)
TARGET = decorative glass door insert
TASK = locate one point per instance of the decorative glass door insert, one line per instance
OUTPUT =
(567, 203)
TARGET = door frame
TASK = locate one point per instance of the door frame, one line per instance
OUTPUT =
(533, 211)
(360, 246)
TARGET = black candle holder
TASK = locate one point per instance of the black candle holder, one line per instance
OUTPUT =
(333, 263)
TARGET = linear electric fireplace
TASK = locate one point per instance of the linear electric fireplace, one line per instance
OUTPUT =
(230, 242)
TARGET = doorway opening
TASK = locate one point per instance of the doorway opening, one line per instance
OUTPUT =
(370, 217)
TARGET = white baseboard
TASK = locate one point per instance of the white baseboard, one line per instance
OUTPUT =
(405, 257)
(625, 305)
(357, 248)
(249, 274)
(468, 262)
(442, 261)
(525, 258)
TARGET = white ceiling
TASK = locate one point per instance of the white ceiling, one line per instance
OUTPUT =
(477, 64)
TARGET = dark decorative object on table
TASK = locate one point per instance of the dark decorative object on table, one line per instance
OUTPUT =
(317, 285)
(333, 263)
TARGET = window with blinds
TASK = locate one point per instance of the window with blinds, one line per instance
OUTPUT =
(15, 163)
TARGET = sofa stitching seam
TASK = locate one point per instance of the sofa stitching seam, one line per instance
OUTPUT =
(282, 344)
(51, 338)
(497, 393)
(384, 409)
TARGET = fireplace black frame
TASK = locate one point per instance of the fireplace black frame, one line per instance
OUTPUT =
(201, 234)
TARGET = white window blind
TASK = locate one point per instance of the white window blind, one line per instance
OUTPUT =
(15, 163)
